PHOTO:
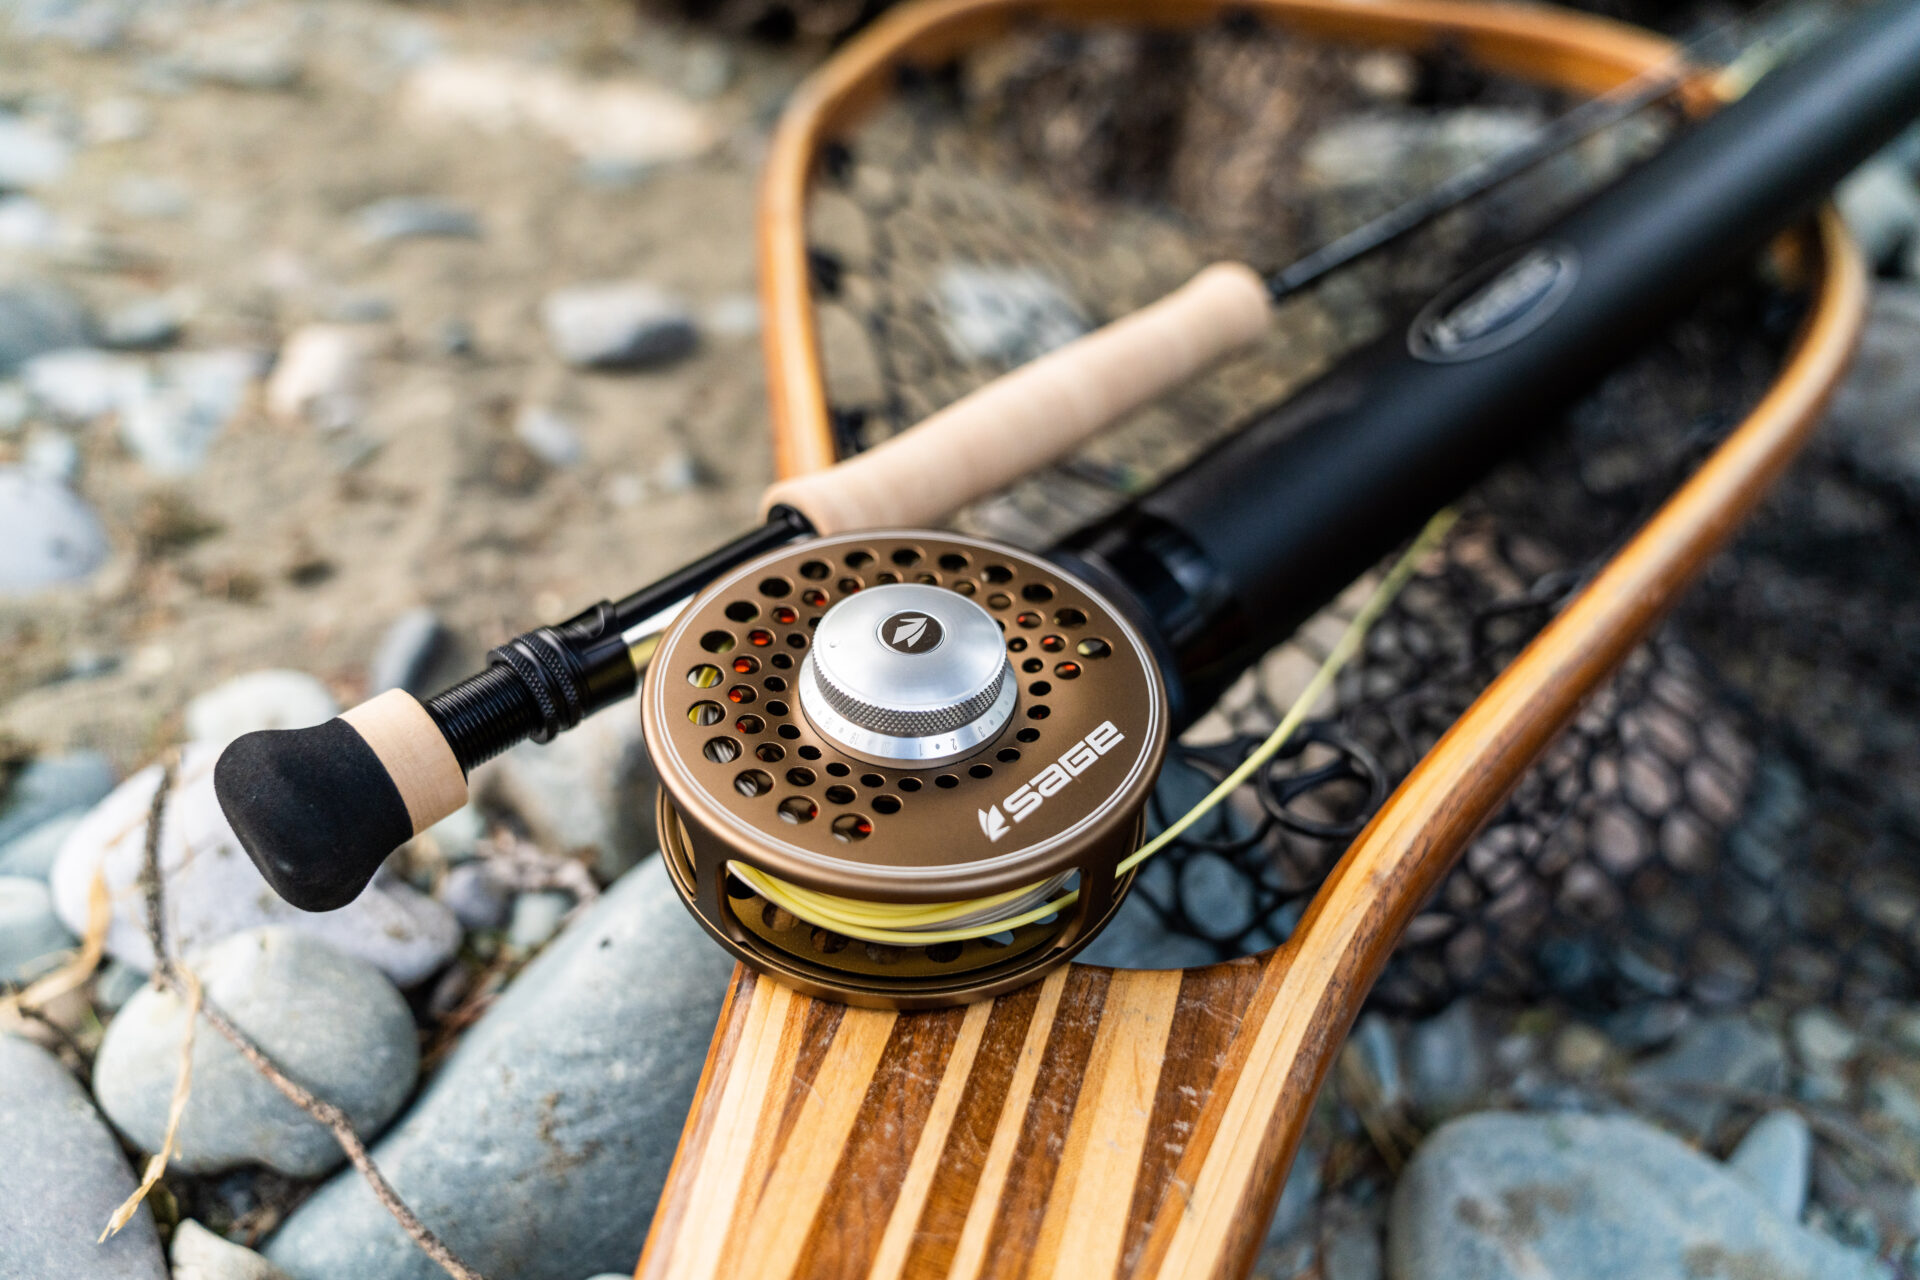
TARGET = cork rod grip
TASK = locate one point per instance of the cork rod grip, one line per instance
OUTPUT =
(1036, 414)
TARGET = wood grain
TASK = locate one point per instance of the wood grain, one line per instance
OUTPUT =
(1132, 1124)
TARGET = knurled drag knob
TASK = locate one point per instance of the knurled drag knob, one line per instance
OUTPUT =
(908, 675)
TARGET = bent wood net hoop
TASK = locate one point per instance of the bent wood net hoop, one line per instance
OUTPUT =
(1115, 1122)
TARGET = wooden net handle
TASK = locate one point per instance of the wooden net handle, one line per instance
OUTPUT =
(1038, 413)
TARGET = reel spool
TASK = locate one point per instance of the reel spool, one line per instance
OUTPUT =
(903, 718)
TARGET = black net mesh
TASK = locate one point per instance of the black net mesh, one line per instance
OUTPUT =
(1734, 815)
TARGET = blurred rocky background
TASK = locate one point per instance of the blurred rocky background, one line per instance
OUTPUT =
(338, 342)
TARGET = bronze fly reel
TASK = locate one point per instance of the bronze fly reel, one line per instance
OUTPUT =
(903, 718)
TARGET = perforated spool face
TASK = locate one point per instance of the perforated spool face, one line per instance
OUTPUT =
(1057, 787)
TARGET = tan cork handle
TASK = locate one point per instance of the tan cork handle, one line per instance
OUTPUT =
(1038, 413)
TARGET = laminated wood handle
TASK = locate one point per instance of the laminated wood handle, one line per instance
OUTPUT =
(1036, 414)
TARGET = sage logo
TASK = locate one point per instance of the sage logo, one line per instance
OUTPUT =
(911, 633)
(1023, 800)
(1495, 308)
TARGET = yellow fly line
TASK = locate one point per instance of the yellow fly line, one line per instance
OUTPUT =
(916, 924)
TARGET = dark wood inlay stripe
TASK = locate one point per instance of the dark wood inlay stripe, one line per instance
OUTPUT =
(937, 1234)
(1043, 1136)
(822, 1022)
(853, 1215)
(1206, 1017)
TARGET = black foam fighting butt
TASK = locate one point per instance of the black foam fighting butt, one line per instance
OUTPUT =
(314, 808)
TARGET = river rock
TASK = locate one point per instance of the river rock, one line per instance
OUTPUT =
(31, 154)
(79, 384)
(565, 1102)
(611, 120)
(1882, 207)
(36, 318)
(1728, 1052)
(1872, 416)
(588, 791)
(51, 787)
(48, 534)
(1004, 315)
(145, 324)
(332, 1021)
(626, 325)
(406, 652)
(415, 218)
(551, 437)
(1500, 1196)
(31, 936)
(199, 1254)
(62, 1178)
(32, 854)
(213, 890)
(537, 917)
(271, 699)
(475, 896)
(1774, 1157)
(1446, 1061)
(321, 375)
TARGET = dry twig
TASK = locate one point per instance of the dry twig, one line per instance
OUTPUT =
(176, 979)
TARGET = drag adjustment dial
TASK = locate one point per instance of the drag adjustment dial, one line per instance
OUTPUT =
(908, 675)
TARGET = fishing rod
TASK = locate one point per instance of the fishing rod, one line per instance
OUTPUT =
(1176, 590)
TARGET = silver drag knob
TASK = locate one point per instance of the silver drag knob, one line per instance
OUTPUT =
(908, 675)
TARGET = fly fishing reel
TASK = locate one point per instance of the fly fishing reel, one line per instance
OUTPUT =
(873, 739)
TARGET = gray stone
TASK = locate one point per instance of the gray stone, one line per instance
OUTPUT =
(52, 455)
(1004, 315)
(1872, 419)
(678, 471)
(79, 384)
(332, 1021)
(272, 699)
(31, 155)
(27, 224)
(116, 984)
(1353, 1252)
(476, 898)
(1298, 1197)
(1446, 1061)
(1218, 898)
(549, 435)
(415, 218)
(199, 1254)
(1500, 1197)
(1882, 209)
(111, 121)
(1378, 1059)
(457, 836)
(15, 407)
(170, 422)
(1400, 150)
(588, 791)
(51, 787)
(1774, 1157)
(32, 938)
(62, 1178)
(1822, 1039)
(1723, 1053)
(214, 890)
(32, 854)
(564, 1101)
(537, 917)
(37, 318)
(618, 326)
(406, 652)
(145, 324)
(48, 535)
(91, 25)
(259, 60)
(146, 197)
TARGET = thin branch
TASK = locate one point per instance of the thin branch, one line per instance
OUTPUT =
(175, 979)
